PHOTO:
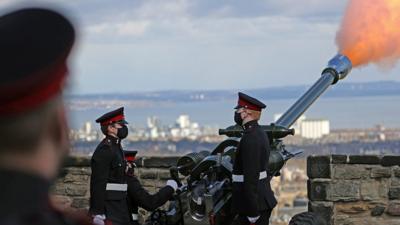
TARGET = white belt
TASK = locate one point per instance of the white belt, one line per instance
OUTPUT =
(116, 187)
(240, 178)
(135, 216)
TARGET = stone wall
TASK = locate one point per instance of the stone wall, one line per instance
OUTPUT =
(71, 190)
(345, 190)
(349, 190)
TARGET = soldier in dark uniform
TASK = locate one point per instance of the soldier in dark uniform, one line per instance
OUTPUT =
(252, 197)
(111, 184)
(34, 46)
(138, 196)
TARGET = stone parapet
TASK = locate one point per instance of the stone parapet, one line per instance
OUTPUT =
(71, 189)
(355, 189)
(342, 189)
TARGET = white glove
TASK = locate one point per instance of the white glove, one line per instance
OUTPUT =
(253, 219)
(172, 184)
(99, 219)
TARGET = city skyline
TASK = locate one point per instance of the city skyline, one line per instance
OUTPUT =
(184, 127)
(312, 135)
(182, 44)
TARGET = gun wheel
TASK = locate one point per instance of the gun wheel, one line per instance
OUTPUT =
(307, 218)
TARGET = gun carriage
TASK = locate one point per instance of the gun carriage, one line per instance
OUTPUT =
(204, 198)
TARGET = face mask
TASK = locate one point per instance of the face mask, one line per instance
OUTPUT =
(122, 132)
(238, 119)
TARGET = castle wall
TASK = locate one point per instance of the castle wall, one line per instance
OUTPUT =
(355, 189)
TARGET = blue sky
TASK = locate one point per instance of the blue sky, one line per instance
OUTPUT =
(128, 45)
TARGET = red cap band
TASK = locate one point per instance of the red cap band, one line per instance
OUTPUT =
(130, 158)
(248, 105)
(31, 96)
(113, 120)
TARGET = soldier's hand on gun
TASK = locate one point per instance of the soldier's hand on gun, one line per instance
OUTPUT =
(182, 188)
(173, 184)
(253, 220)
(99, 219)
(128, 166)
(130, 169)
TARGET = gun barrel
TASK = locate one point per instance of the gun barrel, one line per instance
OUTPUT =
(337, 69)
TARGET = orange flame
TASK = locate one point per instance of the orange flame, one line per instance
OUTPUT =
(370, 32)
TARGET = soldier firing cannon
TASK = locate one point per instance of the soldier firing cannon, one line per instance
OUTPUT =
(205, 196)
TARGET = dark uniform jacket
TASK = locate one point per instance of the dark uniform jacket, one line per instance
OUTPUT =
(108, 168)
(24, 200)
(140, 197)
(252, 194)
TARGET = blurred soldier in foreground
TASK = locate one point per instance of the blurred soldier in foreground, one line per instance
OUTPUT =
(112, 179)
(34, 46)
(252, 197)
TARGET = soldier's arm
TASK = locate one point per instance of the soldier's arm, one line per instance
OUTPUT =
(100, 165)
(251, 170)
(145, 200)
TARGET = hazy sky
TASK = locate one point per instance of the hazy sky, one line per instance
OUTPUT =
(129, 45)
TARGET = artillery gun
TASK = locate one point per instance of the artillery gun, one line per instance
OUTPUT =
(206, 195)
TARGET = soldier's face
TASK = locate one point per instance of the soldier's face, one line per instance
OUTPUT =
(113, 129)
(242, 112)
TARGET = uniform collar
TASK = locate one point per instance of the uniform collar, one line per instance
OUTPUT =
(113, 140)
(250, 124)
(22, 192)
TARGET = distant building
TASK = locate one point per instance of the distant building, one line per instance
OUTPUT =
(183, 121)
(87, 127)
(154, 133)
(309, 128)
(314, 128)
(184, 128)
(153, 122)
(298, 123)
(153, 125)
(175, 132)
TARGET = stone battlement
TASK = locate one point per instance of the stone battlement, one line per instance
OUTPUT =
(355, 189)
(343, 189)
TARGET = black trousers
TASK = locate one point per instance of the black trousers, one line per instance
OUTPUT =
(263, 220)
(117, 212)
